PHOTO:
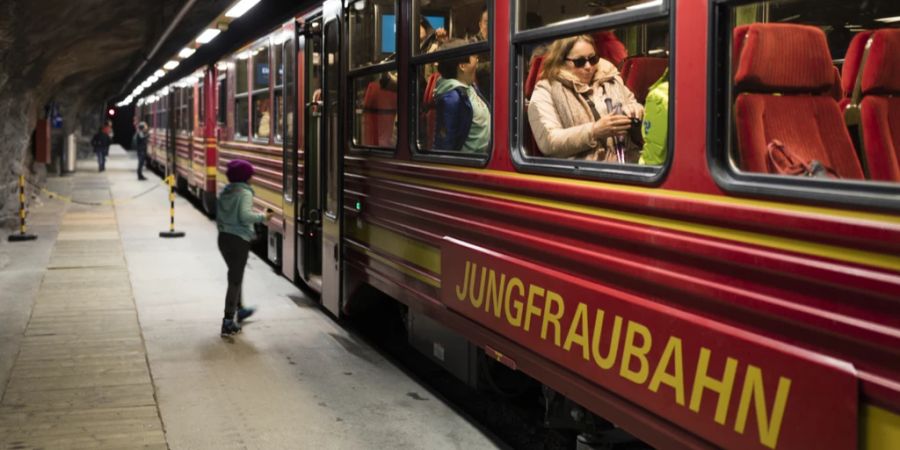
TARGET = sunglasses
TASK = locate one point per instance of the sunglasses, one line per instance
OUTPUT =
(580, 62)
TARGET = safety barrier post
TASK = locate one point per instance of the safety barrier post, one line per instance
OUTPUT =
(22, 235)
(171, 233)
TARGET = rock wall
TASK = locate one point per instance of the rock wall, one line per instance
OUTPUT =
(78, 54)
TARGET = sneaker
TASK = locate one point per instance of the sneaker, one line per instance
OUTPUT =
(244, 313)
(141, 177)
(230, 328)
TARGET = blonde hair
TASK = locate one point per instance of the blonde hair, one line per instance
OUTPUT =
(555, 56)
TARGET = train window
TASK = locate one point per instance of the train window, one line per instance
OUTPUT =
(200, 118)
(262, 116)
(539, 13)
(240, 73)
(262, 106)
(222, 104)
(178, 103)
(439, 20)
(595, 101)
(453, 79)
(188, 113)
(260, 57)
(241, 118)
(373, 73)
(455, 115)
(278, 96)
(804, 90)
(241, 97)
(375, 111)
(373, 32)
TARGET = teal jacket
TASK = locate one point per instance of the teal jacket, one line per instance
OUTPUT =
(234, 211)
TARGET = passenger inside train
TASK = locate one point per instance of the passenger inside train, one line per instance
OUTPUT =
(454, 67)
(373, 43)
(581, 109)
(463, 120)
(634, 56)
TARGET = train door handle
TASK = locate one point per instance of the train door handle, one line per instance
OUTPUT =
(315, 217)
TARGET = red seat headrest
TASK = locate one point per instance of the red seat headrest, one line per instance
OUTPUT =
(784, 58)
(737, 42)
(534, 75)
(852, 61)
(640, 72)
(882, 72)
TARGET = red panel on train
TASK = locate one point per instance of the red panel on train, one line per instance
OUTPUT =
(734, 388)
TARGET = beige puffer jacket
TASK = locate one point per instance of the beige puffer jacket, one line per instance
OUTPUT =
(575, 142)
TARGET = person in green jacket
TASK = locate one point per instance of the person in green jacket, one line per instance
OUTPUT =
(235, 219)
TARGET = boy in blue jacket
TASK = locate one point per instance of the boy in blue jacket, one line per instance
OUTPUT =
(463, 115)
(235, 219)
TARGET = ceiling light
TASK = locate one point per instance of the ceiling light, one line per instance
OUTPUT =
(645, 5)
(186, 52)
(208, 35)
(888, 19)
(159, 73)
(240, 8)
(146, 84)
(170, 65)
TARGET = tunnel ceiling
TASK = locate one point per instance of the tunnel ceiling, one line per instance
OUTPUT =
(82, 52)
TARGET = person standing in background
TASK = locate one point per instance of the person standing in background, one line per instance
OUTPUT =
(235, 219)
(100, 143)
(139, 143)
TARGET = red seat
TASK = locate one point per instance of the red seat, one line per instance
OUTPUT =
(640, 72)
(852, 61)
(875, 93)
(379, 114)
(534, 75)
(782, 78)
(836, 91)
(609, 47)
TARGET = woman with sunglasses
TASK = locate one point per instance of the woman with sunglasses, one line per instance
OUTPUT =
(580, 108)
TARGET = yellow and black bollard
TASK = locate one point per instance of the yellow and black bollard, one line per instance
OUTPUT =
(171, 233)
(22, 235)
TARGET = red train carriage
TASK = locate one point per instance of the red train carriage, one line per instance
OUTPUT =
(700, 302)
(255, 129)
(736, 286)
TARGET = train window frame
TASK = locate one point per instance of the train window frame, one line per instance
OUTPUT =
(647, 175)
(277, 81)
(221, 90)
(255, 91)
(239, 95)
(864, 194)
(416, 60)
(199, 118)
(362, 71)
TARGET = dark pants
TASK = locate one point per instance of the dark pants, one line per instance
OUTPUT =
(142, 158)
(235, 251)
(101, 157)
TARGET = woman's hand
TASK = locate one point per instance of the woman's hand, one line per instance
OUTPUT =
(269, 213)
(611, 125)
(637, 113)
(440, 35)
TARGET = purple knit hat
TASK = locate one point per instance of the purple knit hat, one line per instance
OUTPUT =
(239, 171)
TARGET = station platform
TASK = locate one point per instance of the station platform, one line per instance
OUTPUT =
(109, 338)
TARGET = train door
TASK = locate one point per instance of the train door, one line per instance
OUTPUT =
(333, 167)
(288, 73)
(309, 189)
